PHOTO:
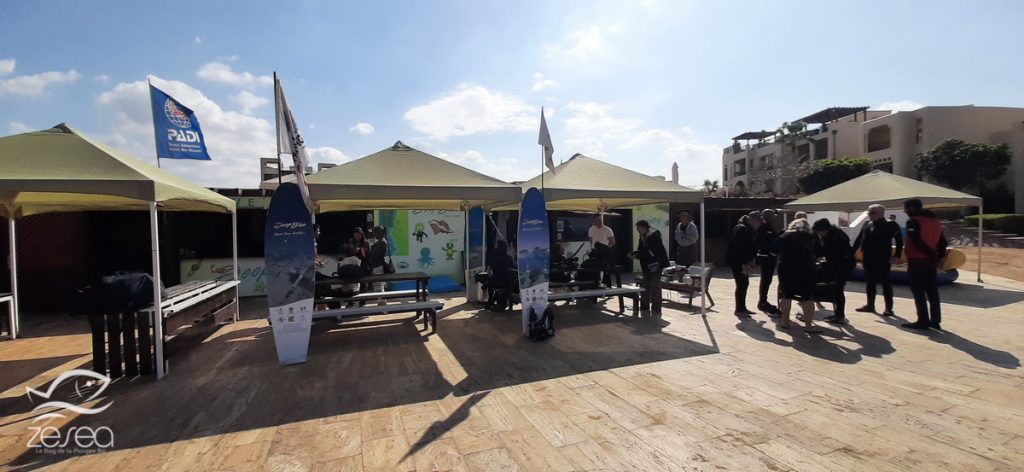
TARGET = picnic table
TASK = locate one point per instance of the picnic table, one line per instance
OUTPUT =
(420, 278)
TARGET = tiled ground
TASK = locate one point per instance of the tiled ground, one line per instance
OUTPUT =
(610, 393)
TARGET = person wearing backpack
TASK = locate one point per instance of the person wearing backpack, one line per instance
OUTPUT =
(925, 246)
(653, 258)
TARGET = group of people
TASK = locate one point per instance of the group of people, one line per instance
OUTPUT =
(813, 263)
(362, 256)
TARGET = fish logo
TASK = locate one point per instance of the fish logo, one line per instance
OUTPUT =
(102, 380)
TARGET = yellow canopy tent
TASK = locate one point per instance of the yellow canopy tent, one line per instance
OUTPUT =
(891, 191)
(584, 183)
(61, 170)
(401, 177)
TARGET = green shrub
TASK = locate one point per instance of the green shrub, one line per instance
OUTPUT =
(816, 176)
(1006, 223)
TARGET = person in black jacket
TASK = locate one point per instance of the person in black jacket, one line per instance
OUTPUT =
(765, 237)
(740, 257)
(875, 242)
(653, 258)
(834, 245)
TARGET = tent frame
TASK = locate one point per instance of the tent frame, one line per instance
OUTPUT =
(154, 241)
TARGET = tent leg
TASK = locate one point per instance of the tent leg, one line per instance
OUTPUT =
(704, 265)
(981, 216)
(158, 312)
(465, 243)
(14, 321)
(234, 254)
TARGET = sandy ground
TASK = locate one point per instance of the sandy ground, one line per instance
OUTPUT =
(1004, 262)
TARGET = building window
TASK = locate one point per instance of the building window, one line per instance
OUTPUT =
(919, 136)
(767, 161)
(725, 173)
(879, 138)
(739, 168)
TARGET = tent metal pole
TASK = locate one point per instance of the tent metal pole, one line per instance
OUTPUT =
(158, 313)
(234, 253)
(981, 216)
(704, 265)
(465, 243)
(15, 320)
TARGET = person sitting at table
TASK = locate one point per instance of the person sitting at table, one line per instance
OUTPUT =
(501, 265)
(377, 258)
(350, 267)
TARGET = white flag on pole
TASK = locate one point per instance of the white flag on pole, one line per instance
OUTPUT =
(289, 141)
(675, 173)
(545, 140)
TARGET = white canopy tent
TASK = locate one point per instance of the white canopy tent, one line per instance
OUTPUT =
(891, 191)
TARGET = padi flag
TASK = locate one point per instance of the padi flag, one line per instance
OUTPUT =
(545, 141)
(178, 135)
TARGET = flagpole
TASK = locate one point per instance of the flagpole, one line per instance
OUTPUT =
(277, 123)
(152, 112)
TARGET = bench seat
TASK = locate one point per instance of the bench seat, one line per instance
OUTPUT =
(371, 296)
(429, 306)
(628, 291)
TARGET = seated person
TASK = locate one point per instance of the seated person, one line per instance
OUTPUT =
(501, 265)
(350, 267)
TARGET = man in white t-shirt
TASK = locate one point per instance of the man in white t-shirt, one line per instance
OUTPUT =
(599, 233)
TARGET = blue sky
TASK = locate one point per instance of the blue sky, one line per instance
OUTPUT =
(640, 84)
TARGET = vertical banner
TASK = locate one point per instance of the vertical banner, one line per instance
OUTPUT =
(476, 237)
(177, 131)
(290, 273)
(290, 141)
(534, 253)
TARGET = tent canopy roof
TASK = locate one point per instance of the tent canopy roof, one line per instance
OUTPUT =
(61, 169)
(584, 183)
(401, 177)
(885, 189)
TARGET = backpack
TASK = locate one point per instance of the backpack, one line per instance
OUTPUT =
(543, 328)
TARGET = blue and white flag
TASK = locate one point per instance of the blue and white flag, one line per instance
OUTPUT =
(178, 135)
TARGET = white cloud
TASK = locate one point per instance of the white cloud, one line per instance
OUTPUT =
(901, 105)
(222, 73)
(471, 109)
(593, 130)
(506, 169)
(198, 40)
(249, 101)
(36, 84)
(235, 140)
(104, 78)
(362, 128)
(582, 45)
(7, 66)
(326, 155)
(540, 83)
(15, 127)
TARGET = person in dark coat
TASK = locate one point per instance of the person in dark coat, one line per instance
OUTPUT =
(740, 257)
(501, 265)
(795, 252)
(834, 246)
(875, 242)
(653, 258)
(765, 237)
(926, 246)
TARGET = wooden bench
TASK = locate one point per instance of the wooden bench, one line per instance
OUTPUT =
(430, 307)
(626, 291)
(190, 312)
(11, 322)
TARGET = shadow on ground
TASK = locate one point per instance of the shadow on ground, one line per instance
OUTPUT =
(231, 382)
